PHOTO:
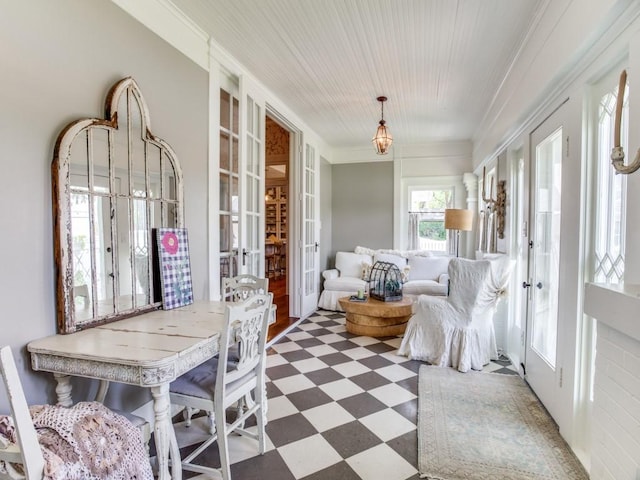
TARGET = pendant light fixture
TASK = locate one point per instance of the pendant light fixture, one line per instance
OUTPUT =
(383, 139)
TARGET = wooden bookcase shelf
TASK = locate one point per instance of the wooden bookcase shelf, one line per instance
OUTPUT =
(276, 213)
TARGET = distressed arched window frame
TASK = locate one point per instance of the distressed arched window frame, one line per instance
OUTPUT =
(84, 139)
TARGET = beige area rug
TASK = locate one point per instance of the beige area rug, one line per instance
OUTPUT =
(485, 426)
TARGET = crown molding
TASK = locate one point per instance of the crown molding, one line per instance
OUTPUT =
(445, 149)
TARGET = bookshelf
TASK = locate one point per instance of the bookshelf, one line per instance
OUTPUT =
(276, 213)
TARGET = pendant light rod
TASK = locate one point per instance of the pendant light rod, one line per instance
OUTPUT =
(382, 100)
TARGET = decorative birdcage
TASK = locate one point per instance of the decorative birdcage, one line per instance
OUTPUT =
(385, 282)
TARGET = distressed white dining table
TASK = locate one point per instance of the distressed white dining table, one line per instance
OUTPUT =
(150, 350)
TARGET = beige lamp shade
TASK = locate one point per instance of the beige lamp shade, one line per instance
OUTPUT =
(458, 219)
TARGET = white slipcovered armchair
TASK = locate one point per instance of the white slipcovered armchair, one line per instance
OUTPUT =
(346, 279)
(458, 330)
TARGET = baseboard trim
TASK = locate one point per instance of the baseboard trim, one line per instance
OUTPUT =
(284, 332)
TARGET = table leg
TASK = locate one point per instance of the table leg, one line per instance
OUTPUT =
(165, 436)
(63, 389)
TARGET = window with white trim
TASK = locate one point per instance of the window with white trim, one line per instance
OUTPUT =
(610, 195)
(426, 208)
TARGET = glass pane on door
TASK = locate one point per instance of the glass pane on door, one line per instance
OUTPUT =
(228, 185)
(547, 246)
(253, 178)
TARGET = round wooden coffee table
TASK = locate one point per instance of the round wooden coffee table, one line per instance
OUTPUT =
(374, 318)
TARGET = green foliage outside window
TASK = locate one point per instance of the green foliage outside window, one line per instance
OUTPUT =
(433, 229)
(432, 204)
(439, 200)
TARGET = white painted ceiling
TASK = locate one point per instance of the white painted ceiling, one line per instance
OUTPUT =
(439, 62)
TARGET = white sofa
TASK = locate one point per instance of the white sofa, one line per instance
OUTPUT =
(423, 272)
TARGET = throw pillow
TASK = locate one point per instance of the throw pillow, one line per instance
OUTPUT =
(364, 251)
(350, 264)
(404, 274)
(397, 260)
(366, 271)
(428, 268)
(398, 253)
(419, 253)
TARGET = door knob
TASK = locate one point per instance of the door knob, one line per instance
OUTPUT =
(539, 285)
(525, 285)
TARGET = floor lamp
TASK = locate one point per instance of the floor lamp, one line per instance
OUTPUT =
(459, 220)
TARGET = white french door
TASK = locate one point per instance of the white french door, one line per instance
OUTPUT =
(310, 232)
(547, 153)
(228, 184)
(240, 181)
(252, 176)
(519, 246)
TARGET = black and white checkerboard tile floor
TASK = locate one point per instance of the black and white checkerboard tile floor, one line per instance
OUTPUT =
(341, 406)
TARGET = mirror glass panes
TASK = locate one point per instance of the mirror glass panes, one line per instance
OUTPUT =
(113, 182)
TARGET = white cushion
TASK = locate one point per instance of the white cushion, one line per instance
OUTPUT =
(397, 260)
(424, 287)
(332, 273)
(428, 268)
(350, 264)
(350, 284)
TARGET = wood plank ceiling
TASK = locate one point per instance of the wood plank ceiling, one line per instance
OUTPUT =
(439, 62)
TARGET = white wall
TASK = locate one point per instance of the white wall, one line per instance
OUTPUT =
(616, 410)
(616, 404)
(58, 61)
(588, 40)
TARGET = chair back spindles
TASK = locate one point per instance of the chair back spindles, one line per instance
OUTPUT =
(243, 286)
(247, 329)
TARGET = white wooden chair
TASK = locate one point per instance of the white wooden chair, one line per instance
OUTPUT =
(243, 286)
(235, 289)
(223, 381)
(27, 451)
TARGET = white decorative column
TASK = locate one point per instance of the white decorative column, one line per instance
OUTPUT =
(470, 181)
